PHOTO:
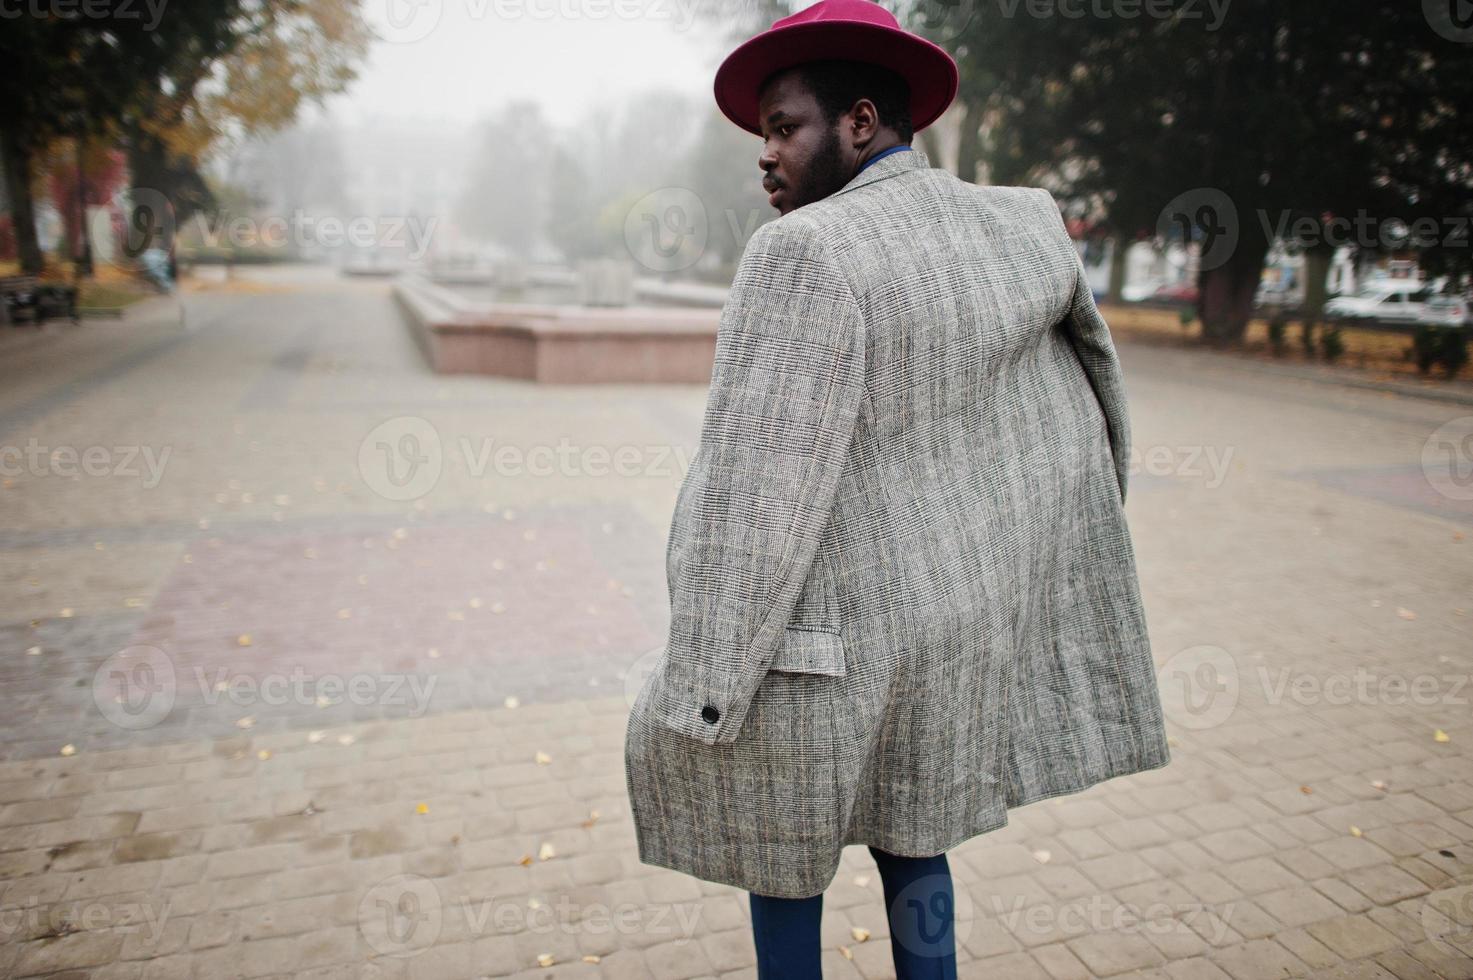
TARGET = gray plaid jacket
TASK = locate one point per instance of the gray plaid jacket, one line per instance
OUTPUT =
(903, 596)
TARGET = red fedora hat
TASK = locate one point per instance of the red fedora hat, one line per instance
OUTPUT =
(858, 30)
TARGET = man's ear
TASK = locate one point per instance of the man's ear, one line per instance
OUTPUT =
(866, 120)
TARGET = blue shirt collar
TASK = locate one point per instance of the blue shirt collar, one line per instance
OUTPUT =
(880, 156)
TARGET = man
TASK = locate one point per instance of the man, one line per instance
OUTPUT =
(903, 592)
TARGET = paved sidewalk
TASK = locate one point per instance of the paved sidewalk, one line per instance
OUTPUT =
(302, 678)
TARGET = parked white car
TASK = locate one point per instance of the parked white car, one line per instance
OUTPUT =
(1391, 301)
(1276, 296)
(1445, 311)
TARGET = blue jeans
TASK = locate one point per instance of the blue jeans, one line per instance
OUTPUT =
(921, 904)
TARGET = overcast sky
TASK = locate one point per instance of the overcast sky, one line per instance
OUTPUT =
(459, 59)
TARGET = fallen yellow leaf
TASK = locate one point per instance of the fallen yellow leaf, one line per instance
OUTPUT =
(1441, 736)
(243, 639)
(545, 959)
(542, 758)
(69, 749)
(422, 808)
(545, 851)
(859, 933)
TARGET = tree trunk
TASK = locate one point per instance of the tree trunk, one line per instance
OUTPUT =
(927, 140)
(1119, 246)
(17, 163)
(1227, 290)
(84, 238)
(969, 149)
(1316, 273)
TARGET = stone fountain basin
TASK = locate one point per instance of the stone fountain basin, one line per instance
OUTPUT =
(561, 343)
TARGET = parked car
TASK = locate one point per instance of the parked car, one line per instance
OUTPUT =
(1138, 291)
(1445, 311)
(1386, 301)
(1179, 292)
(1277, 296)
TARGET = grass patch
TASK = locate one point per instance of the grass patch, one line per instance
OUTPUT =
(1376, 351)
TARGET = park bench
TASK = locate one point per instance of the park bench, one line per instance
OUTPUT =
(29, 297)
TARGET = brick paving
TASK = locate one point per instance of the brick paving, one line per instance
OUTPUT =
(320, 723)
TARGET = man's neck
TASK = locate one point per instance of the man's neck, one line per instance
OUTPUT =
(867, 160)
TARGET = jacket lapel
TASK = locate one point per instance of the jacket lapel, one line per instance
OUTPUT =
(895, 163)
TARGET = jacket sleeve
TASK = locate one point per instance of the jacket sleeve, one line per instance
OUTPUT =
(787, 383)
(1090, 336)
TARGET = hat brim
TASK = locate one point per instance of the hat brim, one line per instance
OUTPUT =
(929, 70)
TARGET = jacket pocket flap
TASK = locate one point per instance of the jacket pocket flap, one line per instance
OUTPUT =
(808, 651)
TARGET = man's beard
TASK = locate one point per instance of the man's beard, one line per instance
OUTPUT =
(826, 172)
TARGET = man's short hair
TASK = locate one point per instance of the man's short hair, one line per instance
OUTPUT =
(838, 84)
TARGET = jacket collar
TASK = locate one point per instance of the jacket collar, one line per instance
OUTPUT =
(895, 163)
